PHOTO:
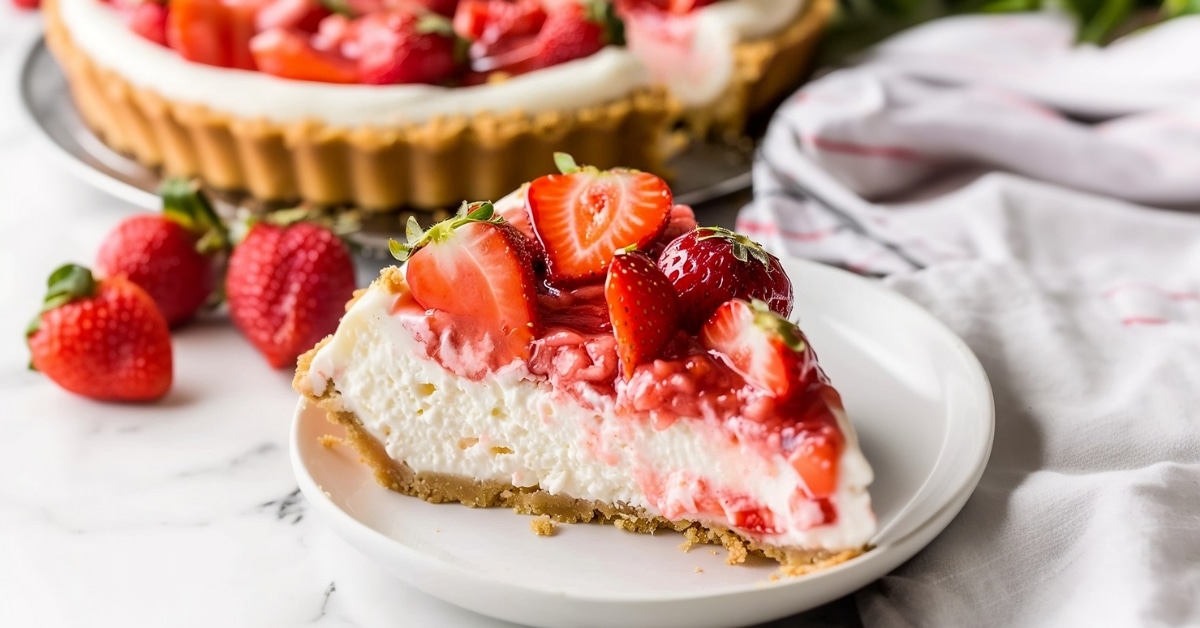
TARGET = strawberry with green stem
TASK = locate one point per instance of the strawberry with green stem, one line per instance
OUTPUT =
(103, 339)
(710, 265)
(173, 255)
(475, 266)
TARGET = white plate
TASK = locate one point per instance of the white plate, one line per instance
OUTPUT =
(915, 392)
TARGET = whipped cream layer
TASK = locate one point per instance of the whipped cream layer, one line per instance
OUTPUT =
(609, 75)
(98, 30)
(513, 427)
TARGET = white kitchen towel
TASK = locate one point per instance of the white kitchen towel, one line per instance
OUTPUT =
(954, 161)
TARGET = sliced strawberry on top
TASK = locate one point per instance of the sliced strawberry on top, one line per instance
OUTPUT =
(401, 47)
(568, 31)
(769, 351)
(149, 19)
(301, 15)
(214, 32)
(678, 7)
(583, 216)
(642, 306)
(290, 54)
(491, 20)
(475, 266)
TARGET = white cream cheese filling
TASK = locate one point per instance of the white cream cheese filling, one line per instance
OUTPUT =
(512, 427)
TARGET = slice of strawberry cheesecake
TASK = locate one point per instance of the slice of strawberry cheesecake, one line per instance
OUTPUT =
(583, 350)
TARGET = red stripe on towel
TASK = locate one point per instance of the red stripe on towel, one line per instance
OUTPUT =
(1143, 320)
(863, 150)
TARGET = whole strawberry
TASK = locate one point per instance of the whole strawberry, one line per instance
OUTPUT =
(287, 287)
(170, 255)
(101, 339)
(710, 265)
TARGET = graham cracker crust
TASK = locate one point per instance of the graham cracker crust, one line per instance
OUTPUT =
(441, 488)
(435, 164)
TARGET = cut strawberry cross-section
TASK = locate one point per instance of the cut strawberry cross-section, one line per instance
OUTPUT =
(642, 306)
(214, 32)
(765, 348)
(475, 266)
(290, 54)
(584, 215)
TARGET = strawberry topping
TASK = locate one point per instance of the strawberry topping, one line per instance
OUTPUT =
(213, 32)
(149, 19)
(398, 47)
(290, 54)
(643, 308)
(475, 267)
(583, 216)
(710, 265)
(477, 300)
(768, 350)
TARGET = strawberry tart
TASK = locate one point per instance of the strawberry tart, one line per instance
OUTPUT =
(381, 104)
(582, 350)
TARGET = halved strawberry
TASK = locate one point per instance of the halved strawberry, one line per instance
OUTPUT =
(816, 460)
(564, 32)
(400, 47)
(491, 20)
(149, 19)
(765, 348)
(475, 266)
(290, 54)
(214, 32)
(678, 7)
(642, 306)
(301, 15)
(584, 215)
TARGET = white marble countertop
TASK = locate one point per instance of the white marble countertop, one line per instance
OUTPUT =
(184, 513)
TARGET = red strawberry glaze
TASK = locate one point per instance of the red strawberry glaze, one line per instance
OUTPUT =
(696, 498)
(576, 353)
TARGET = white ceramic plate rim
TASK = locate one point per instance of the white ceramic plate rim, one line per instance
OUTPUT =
(892, 545)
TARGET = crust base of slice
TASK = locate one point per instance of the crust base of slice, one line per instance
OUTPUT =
(443, 488)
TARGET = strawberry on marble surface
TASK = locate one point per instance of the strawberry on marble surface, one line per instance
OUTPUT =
(104, 339)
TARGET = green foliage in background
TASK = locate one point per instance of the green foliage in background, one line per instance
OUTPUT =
(861, 23)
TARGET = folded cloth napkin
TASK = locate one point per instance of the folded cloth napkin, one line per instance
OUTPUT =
(953, 161)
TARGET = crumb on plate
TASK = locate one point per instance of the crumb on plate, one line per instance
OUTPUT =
(542, 525)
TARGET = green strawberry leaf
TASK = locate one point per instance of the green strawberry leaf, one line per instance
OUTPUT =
(565, 163)
(417, 239)
(69, 282)
(185, 204)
